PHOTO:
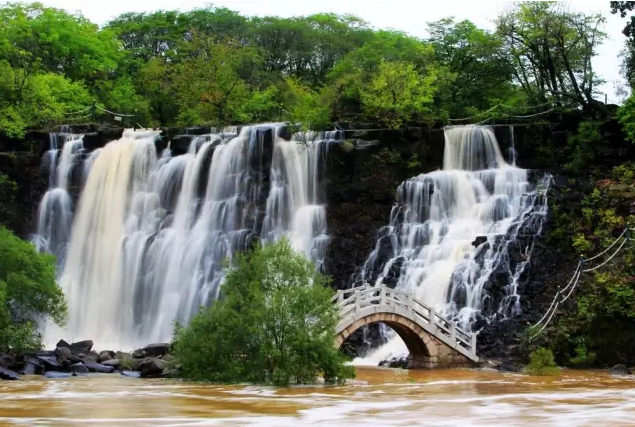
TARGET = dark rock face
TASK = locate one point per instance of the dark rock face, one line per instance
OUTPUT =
(620, 370)
(395, 362)
(104, 356)
(63, 352)
(97, 367)
(156, 350)
(79, 368)
(83, 346)
(50, 363)
(30, 369)
(111, 362)
(6, 374)
(151, 367)
(6, 361)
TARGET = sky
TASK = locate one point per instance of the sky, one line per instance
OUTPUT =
(408, 16)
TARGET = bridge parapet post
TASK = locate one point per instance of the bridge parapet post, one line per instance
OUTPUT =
(473, 344)
(357, 301)
(453, 331)
(382, 295)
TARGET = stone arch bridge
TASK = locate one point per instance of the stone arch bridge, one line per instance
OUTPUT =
(433, 341)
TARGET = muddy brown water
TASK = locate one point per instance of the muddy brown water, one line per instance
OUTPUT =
(378, 397)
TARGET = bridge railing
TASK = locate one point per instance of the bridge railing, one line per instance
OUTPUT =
(354, 299)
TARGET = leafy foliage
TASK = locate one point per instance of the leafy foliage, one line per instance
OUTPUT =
(274, 323)
(541, 362)
(28, 291)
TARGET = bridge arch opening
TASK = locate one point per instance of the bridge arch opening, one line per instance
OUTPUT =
(421, 347)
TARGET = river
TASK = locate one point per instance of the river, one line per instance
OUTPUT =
(381, 397)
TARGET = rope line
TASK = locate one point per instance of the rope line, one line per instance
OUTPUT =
(78, 112)
(573, 282)
(610, 258)
(113, 113)
(526, 107)
(609, 248)
(498, 106)
(529, 115)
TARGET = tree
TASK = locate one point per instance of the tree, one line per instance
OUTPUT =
(628, 54)
(550, 51)
(274, 323)
(479, 74)
(28, 293)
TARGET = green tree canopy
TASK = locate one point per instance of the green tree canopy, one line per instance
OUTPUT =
(274, 323)
(28, 293)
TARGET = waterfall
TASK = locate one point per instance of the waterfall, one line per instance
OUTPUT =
(451, 229)
(296, 204)
(55, 212)
(152, 232)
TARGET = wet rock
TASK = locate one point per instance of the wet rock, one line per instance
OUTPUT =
(56, 375)
(6, 361)
(151, 367)
(131, 374)
(63, 352)
(139, 354)
(395, 362)
(167, 358)
(6, 374)
(97, 367)
(50, 362)
(63, 361)
(136, 364)
(111, 362)
(79, 368)
(104, 356)
(82, 346)
(30, 369)
(62, 344)
(620, 369)
(154, 350)
(479, 241)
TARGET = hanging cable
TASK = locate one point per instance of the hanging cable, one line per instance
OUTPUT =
(609, 248)
(572, 287)
(530, 107)
(113, 113)
(527, 116)
(78, 112)
(475, 116)
(610, 258)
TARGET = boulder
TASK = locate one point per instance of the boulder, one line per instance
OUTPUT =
(6, 374)
(34, 360)
(30, 369)
(97, 367)
(131, 374)
(158, 349)
(139, 354)
(111, 362)
(56, 374)
(63, 361)
(151, 367)
(6, 361)
(50, 362)
(620, 370)
(167, 358)
(479, 241)
(103, 356)
(136, 364)
(63, 352)
(83, 346)
(62, 344)
(79, 368)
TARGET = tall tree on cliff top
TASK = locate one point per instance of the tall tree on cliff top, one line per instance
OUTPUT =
(550, 49)
(480, 75)
(628, 60)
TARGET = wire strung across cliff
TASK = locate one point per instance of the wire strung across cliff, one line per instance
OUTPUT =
(573, 282)
(500, 107)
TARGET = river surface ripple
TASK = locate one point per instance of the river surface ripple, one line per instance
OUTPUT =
(381, 397)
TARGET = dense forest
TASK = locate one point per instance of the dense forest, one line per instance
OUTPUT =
(213, 66)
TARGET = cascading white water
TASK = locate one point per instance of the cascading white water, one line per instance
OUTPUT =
(152, 234)
(55, 213)
(295, 207)
(452, 228)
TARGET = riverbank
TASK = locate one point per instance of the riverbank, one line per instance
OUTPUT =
(378, 397)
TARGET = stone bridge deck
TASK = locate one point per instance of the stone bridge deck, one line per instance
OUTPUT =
(433, 340)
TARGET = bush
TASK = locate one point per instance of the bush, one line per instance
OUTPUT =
(541, 362)
(274, 324)
(28, 292)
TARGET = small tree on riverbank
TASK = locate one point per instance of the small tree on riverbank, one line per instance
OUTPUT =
(28, 291)
(274, 323)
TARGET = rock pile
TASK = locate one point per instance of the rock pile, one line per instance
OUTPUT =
(79, 358)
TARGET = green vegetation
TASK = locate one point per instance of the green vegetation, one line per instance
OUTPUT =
(28, 292)
(541, 362)
(274, 323)
(212, 66)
